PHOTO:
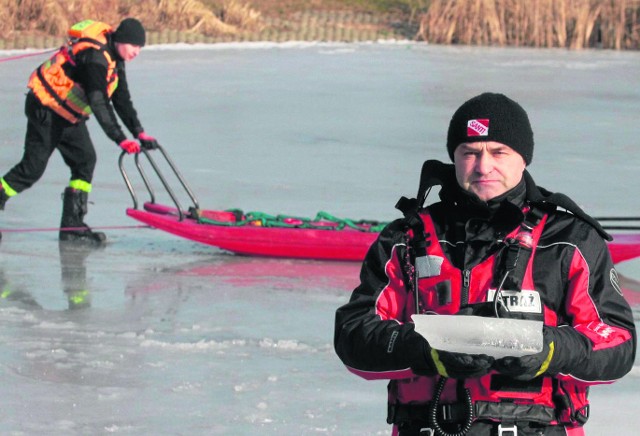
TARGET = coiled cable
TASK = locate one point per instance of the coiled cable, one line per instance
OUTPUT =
(433, 412)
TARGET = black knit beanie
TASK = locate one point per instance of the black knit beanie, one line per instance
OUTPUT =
(130, 31)
(491, 117)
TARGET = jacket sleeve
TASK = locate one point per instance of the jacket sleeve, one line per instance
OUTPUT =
(123, 105)
(370, 337)
(91, 73)
(596, 343)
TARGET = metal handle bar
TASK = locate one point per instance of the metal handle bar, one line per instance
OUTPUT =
(158, 172)
(617, 218)
(606, 220)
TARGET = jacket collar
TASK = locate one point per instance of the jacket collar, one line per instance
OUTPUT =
(467, 205)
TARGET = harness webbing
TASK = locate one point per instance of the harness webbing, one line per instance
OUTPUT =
(322, 221)
(100, 44)
(517, 253)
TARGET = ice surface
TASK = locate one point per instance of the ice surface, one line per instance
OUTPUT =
(155, 335)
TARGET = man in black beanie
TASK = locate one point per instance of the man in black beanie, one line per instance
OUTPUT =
(85, 77)
(497, 246)
(490, 128)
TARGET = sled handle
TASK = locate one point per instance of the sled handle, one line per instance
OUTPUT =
(179, 175)
(160, 175)
(127, 181)
(620, 220)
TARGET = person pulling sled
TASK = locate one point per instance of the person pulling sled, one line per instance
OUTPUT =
(86, 76)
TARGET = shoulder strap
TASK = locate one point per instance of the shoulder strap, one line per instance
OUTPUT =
(434, 173)
(517, 252)
(420, 240)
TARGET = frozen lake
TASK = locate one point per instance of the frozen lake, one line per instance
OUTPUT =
(158, 335)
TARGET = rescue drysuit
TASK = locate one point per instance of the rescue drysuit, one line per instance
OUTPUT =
(567, 280)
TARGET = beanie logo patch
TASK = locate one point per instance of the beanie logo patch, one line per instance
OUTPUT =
(478, 127)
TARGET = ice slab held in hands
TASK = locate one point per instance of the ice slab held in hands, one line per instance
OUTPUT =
(497, 337)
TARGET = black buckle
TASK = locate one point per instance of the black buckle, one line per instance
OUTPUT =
(582, 415)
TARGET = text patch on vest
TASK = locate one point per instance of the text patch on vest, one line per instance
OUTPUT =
(525, 301)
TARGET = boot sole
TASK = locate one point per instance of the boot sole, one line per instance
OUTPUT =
(97, 239)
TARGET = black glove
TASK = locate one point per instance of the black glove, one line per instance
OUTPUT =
(454, 365)
(461, 365)
(147, 142)
(529, 367)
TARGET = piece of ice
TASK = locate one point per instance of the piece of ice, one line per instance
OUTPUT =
(497, 337)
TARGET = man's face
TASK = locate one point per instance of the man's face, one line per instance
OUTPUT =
(487, 169)
(127, 51)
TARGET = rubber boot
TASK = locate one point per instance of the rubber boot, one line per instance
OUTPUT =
(3, 200)
(74, 208)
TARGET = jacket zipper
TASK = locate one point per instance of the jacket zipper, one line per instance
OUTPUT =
(466, 280)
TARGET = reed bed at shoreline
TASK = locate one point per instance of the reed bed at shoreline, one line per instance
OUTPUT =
(54, 17)
(326, 26)
(573, 24)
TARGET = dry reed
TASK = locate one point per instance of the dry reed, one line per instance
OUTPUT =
(241, 15)
(612, 24)
(574, 24)
(54, 17)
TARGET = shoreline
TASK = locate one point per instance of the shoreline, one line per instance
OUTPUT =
(311, 26)
(7, 54)
(308, 27)
(293, 21)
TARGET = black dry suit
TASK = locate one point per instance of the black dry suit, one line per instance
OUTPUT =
(516, 256)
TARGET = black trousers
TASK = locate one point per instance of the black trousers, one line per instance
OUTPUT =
(47, 131)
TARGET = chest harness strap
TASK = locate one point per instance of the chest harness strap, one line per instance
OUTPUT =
(516, 254)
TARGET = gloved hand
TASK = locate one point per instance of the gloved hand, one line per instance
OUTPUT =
(461, 365)
(130, 146)
(147, 142)
(529, 367)
(454, 365)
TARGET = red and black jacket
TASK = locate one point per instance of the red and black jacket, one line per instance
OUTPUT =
(570, 269)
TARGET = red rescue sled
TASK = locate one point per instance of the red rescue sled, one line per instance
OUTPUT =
(323, 238)
(226, 230)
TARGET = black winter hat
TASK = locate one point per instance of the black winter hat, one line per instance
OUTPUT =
(130, 31)
(491, 117)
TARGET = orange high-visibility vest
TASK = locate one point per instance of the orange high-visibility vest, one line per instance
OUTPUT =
(55, 89)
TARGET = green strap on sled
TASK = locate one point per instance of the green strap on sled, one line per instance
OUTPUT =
(322, 221)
